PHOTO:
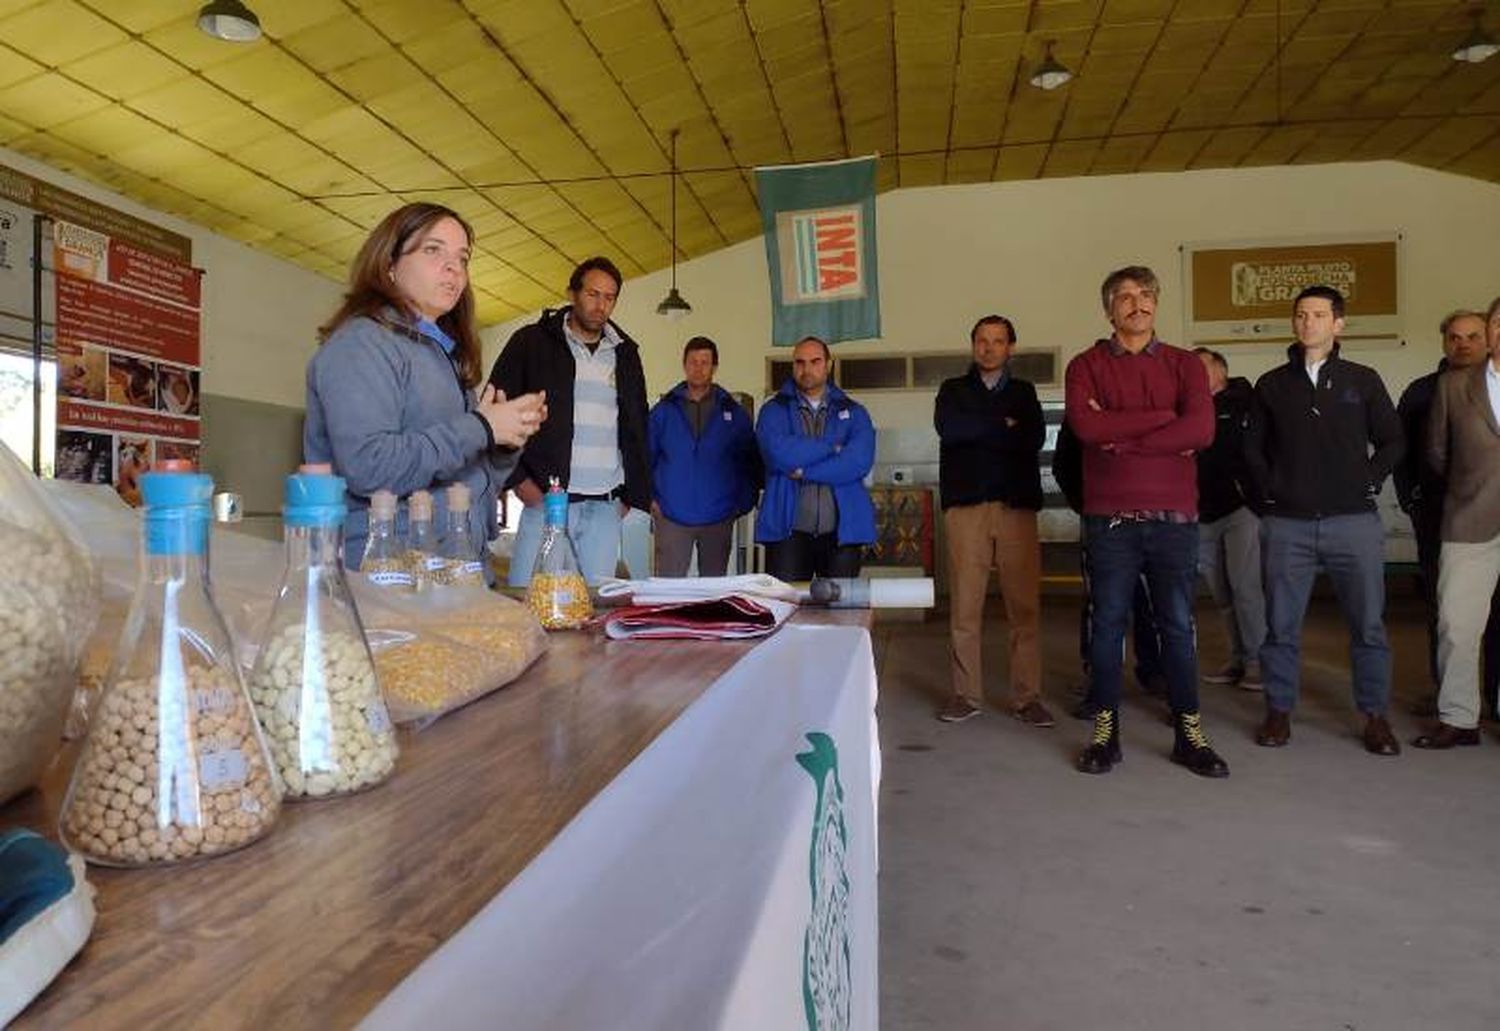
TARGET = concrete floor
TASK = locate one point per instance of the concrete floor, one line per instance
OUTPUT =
(1318, 887)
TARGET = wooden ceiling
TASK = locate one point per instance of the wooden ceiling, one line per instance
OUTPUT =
(547, 123)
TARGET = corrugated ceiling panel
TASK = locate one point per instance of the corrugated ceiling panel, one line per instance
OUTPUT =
(56, 33)
(278, 85)
(49, 99)
(125, 71)
(1070, 158)
(420, 99)
(1021, 162)
(336, 44)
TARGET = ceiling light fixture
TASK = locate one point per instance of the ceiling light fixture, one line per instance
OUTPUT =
(1479, 46)
(1051, 73)
(230, 21)
(673, 306)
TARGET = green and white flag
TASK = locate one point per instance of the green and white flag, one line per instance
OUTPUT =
(820, 248)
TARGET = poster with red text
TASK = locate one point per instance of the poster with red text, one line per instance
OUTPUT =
(127, 359)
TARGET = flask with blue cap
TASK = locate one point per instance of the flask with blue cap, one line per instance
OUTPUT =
(558, 594)
(174, 767)
(313, 682)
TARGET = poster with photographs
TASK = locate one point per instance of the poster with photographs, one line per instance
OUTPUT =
(127, 359)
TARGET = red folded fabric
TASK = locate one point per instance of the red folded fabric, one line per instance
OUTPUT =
(733, 617)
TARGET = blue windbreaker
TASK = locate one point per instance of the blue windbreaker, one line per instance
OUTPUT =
(784, 448)
(708, 479)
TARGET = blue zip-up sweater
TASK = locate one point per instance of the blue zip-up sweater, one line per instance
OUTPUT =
(784, 448)
(699, 481)
(386, 409)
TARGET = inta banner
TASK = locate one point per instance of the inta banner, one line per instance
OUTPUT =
(820, 248)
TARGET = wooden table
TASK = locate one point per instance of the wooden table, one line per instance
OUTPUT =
(312, 926)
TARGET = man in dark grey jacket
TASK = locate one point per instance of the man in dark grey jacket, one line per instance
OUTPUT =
(1228, 528)
(1322, 437)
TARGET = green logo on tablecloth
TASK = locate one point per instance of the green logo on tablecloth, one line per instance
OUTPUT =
(825, 946)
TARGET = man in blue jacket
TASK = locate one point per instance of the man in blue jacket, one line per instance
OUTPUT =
(705, 468)
(818, 446)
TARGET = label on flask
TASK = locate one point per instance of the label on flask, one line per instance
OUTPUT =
(222, 768)
(389, 578)
(378, 719)
(214, 699)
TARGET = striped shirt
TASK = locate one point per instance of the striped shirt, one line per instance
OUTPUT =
(596, 463)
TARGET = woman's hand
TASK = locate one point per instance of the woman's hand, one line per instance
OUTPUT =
(512, 422)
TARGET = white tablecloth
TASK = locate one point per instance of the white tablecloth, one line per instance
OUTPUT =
(725, 879)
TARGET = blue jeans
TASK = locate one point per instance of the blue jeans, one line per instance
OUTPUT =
(1351, 549)
(1142, 624)
(594, 527)
(1120, 556)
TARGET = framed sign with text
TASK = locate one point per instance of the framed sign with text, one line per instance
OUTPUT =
(1243, 292)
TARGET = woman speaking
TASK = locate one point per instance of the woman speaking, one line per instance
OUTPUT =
(390, 391)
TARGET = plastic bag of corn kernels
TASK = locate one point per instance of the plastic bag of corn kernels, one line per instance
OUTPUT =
(47, 611)
(438, 650)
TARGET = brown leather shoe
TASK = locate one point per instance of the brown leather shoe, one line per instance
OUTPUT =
(1036, 714)
(1275, 731)
(1443, 736)
(957, 709)
(1378, 737)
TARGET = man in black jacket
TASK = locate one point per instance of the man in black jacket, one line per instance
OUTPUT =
(594, 440)
(1420, 491)
(1322, 438)
(1228, 528)
(991, 430)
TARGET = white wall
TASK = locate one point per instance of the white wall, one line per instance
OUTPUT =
(260, 313)
(1037, 251)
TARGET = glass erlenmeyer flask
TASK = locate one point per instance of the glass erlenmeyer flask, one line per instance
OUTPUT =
(174, 766)
(314, 680)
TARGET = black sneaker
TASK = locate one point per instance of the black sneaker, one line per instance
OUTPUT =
(1084, 710)
(1229, 673)
(1192, 750)
(1103, 750)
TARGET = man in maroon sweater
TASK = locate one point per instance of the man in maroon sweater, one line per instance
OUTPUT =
(1141, 408)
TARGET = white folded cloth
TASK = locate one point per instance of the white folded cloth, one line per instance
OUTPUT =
(658, 589)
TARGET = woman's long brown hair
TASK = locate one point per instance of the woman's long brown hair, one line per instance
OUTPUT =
(371, 290)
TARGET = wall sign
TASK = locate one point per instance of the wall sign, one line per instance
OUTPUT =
(1239, 293)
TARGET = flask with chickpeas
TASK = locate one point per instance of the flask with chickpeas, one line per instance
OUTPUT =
(313, 683)
(174, 767)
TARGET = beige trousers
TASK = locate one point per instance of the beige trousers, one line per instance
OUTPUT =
(982, 537)
(1466, 581)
